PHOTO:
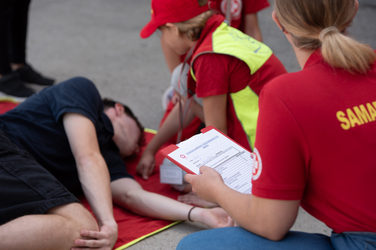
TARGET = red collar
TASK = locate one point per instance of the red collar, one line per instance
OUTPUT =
(210, 26)
(313, 59)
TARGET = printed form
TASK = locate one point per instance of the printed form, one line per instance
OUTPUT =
(215, 150)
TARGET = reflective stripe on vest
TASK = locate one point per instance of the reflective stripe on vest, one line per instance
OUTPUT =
(230, 41)
(246, 108)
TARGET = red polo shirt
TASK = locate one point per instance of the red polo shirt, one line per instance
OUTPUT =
(316, 142)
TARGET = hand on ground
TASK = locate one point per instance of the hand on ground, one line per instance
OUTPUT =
(145, 166)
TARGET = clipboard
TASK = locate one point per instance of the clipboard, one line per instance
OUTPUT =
(214, 149)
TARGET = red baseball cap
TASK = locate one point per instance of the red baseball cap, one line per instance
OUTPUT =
(171, 11)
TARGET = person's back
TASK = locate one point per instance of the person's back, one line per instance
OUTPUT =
(327, 119)
(315, 142)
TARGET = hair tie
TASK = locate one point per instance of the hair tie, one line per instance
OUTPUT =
(326, 31)
(189, 214)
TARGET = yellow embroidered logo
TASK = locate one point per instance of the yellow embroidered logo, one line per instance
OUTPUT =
(357, 115)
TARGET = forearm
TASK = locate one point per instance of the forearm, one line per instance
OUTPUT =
(169, 128)
(129, 194)
(94, 177)
(215, 108)
(197, 110)
(236, 204)
(270, 219)
(95, 182)
(155, 206)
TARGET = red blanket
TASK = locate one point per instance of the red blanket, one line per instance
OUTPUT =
(132, 227)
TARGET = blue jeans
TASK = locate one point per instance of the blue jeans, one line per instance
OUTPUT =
(239, 238)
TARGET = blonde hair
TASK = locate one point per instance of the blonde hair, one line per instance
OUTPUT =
(322, 23)
(194, 26)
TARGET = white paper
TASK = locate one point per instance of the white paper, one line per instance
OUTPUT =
(170, 173)
(215, 150)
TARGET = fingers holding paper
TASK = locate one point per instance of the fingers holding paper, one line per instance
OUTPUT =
(206, 185)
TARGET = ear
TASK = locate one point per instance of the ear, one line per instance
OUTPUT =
(276, 20)
(119, 109)
(173, 28)
(356, 7)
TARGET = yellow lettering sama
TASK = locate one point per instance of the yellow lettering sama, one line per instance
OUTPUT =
(342, 118)
(372, 111)
(357, 116)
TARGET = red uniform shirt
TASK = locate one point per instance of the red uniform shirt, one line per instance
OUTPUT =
(218, 74)
(316, 142)
(240, 8)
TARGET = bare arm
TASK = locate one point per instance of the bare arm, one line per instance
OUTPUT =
(94, 178)
(129, 194)
(268, 218)
(251, 26)
(198, 110)
(215, 111)
(168, 129)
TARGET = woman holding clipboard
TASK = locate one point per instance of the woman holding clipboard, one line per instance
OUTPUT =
(318, 150)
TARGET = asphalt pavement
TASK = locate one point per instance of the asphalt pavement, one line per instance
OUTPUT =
(100, 40)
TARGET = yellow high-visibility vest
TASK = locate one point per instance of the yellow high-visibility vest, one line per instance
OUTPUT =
(230, 41)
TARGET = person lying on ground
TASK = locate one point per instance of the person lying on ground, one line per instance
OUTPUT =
(64, 141)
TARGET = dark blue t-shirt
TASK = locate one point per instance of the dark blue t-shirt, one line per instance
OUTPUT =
(36, 126)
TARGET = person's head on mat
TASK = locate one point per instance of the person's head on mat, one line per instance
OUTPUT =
(128, 130)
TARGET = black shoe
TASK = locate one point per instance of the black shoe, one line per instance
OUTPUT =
(29, 75)
(12, 86)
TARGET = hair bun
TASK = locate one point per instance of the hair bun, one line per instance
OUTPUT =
(327, 30)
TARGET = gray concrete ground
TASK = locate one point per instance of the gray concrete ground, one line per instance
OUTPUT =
(100, 40)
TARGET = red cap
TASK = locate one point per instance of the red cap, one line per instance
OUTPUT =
(171, 11)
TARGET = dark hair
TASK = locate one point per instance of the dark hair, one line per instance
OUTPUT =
(108, 103)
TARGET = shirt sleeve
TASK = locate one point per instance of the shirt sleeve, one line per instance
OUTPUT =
(219, 74)
(116, 165)
(254, 6)
(212, 74)
(281, 151)
(76, 95)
